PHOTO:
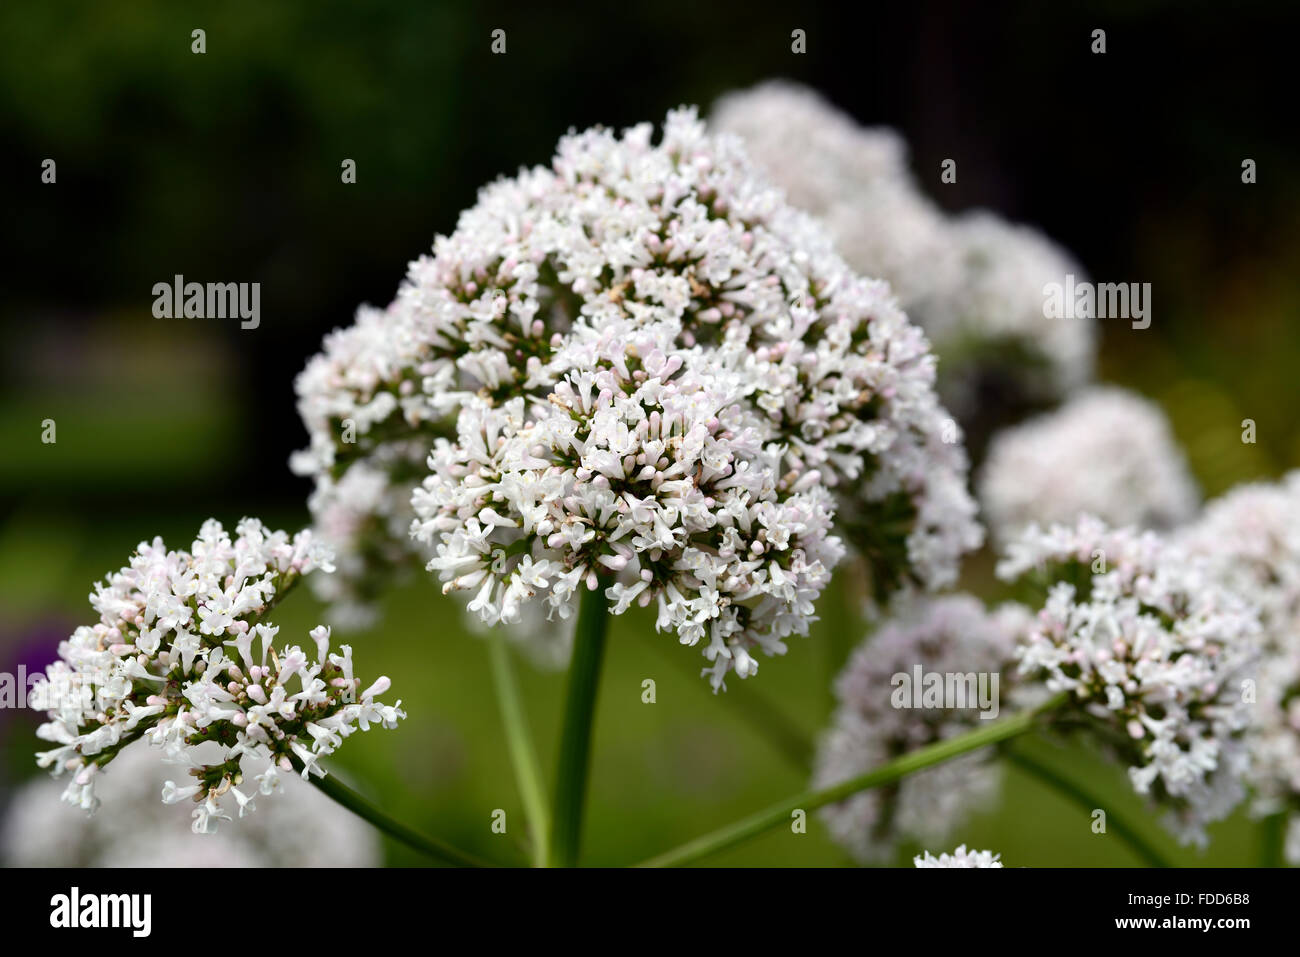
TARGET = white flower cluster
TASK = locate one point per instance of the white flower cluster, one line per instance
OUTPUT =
(1107, 452)
(596, 309)
(183, 656)
(300, 828)
(1155, 654)
(959, 858)
(974, 282)
(647, 464)
(955, 635)
(1251, 539)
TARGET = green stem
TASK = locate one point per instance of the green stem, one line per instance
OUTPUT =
(359, 806)
(1272, 838)
(886, 773)
(331, 786)
(523, 755)
(579, 720)
(1089, 802)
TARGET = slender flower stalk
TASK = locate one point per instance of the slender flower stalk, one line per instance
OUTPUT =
(953, 634)
(579, 722)
(1273, 840)
(523, 756)
(430, 846)
(1079, 795)
(887, 773)
(854, 596)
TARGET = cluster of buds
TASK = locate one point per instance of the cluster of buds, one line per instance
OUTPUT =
(1107, 452)
(959, 858)
(646, 470)
(1156, 654)
(183, 657)
(1251, 540)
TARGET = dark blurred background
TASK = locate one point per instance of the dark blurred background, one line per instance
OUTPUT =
(226, 167)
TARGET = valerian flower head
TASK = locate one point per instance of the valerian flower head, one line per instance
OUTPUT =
(680, 250)
(1107, 452)
(1155, 654)
(645, 467)
(974, 283)
(959, 858)
(298, 827)
(1251, 540)
(183, 656)
(967, 648)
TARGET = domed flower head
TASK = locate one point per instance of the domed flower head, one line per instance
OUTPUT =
(184, 656)
(626, 251)
(644, 469)
(1251, 540)
(1107, 452)
(959, 858)
(928, 674)
(1156, 657)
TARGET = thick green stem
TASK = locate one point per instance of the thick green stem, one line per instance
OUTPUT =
(579, 720)
(1089, 802)
(354, 802)
(887, 773)
(523, 756)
